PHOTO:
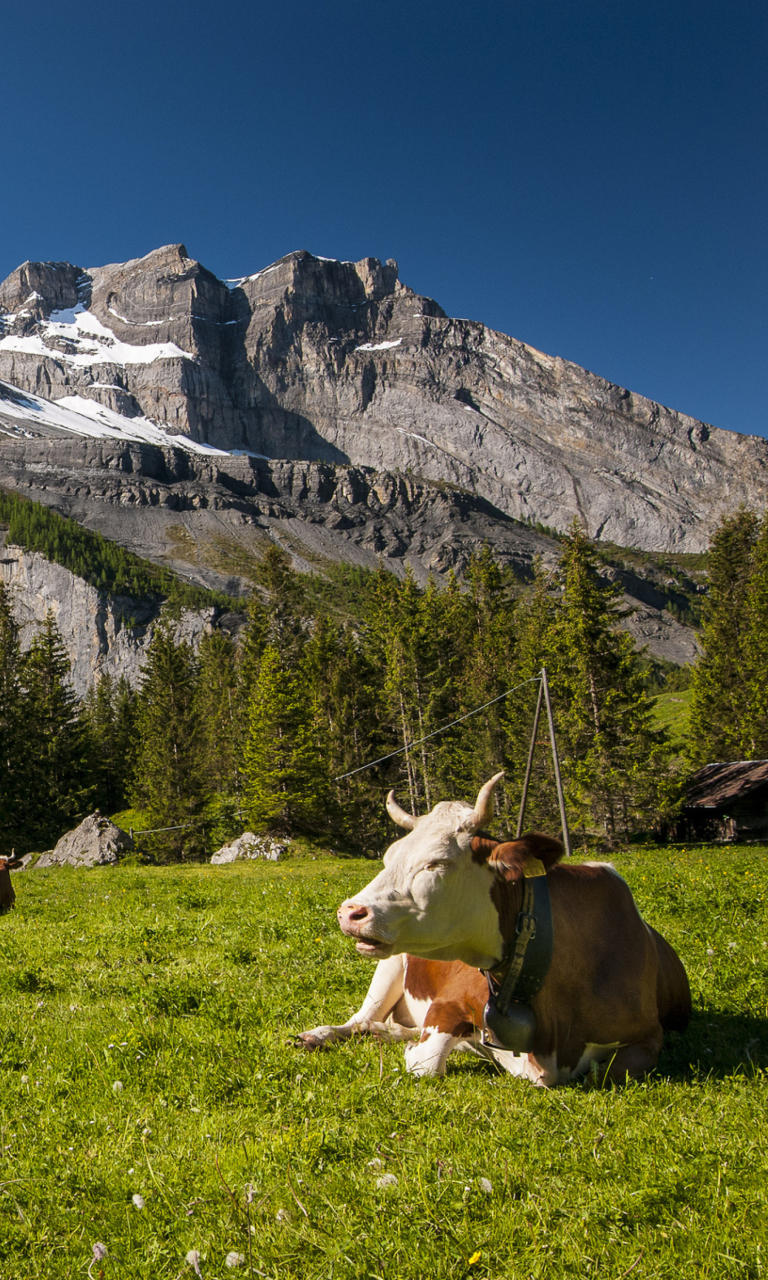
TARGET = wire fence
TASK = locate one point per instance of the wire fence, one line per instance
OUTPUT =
(153, 831)
(417, 743)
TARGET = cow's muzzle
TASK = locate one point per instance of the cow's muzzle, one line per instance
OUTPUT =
(356, 920)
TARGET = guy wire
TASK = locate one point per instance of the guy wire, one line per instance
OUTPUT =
(410, 745)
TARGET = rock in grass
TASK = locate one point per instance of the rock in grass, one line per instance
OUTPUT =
(250, 846)
(97, 842)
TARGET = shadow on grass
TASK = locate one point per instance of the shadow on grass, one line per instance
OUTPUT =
(717, 1043)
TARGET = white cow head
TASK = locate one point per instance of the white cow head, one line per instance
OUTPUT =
(432, 899)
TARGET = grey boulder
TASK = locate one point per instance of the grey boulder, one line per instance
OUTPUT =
(97, 842)
(249, 846)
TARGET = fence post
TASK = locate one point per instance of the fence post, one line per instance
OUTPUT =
(556, 763)
(529, 766)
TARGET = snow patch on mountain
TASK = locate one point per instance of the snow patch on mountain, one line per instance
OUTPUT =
(379, 346)
(78, 416)
(86, 341)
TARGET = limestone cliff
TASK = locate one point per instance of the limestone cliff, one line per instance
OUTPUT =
(102, 634)
(312, 360)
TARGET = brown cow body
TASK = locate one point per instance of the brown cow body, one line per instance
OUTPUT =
(7, 892)
(613, 986)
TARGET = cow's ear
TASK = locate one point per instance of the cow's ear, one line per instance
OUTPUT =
(546, 848)
(482, 847)
(512, 857)
(509, 859)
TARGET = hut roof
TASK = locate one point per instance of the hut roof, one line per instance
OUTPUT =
(718, 784)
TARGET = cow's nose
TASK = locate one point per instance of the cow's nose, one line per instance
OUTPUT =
(354, 913)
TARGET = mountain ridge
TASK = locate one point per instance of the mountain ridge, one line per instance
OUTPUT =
(317, 360)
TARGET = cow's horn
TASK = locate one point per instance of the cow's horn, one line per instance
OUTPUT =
(399, 815)
(483, 810)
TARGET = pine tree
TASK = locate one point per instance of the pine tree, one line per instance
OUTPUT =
(220, 713)
(615, 764)
(109, 715)
(14, 738)
(342, 684)
(168, 781)
(720, 678)
(59, 785)
(751, 704)
(286, 776)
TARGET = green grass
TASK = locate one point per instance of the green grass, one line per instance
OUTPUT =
(672, 711)
(186, 984)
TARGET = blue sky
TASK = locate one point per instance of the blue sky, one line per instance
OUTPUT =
(589, 176)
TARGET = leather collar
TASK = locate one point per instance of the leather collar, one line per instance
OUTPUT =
(514, 982)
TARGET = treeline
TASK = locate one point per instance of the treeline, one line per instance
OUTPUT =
(104, 564)
(275, 733)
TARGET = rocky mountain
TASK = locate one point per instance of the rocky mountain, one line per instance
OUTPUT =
(338, 362)
(326, 406)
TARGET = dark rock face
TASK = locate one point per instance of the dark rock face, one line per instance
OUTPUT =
(207, 519)
(174, 506)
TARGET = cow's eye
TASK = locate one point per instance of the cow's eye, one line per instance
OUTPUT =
(437, 866)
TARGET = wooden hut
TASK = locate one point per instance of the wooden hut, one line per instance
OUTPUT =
(726, 801)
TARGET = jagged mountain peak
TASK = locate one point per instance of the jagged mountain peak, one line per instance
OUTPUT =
(38, 288)
(317, 359)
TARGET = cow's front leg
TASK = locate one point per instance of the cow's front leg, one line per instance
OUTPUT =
(430, 1055)
(384, 994)
(447, 1025)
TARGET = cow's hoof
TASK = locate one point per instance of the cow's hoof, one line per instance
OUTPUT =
(308, 1040)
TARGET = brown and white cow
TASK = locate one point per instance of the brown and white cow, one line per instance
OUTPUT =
(442, 910)
(7, 893)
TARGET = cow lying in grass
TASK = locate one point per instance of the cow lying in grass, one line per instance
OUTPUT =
(443, 909)
(7, 893)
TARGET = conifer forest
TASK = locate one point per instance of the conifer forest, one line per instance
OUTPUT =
(330, 674)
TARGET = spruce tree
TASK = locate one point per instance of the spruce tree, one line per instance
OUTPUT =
(284, 604)
(720, 678)
(615, 764)
(536, 617)
(486, 627)
(15, 754)
(751, 705)
(168, 782)
(342, 685)
(221, 709)
(60, 790)
(286, 776)
(219, 712)
(252, 644)
(413, 648)
(109, 715)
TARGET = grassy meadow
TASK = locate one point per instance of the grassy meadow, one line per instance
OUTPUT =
(152, 1101)
(672, 712)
